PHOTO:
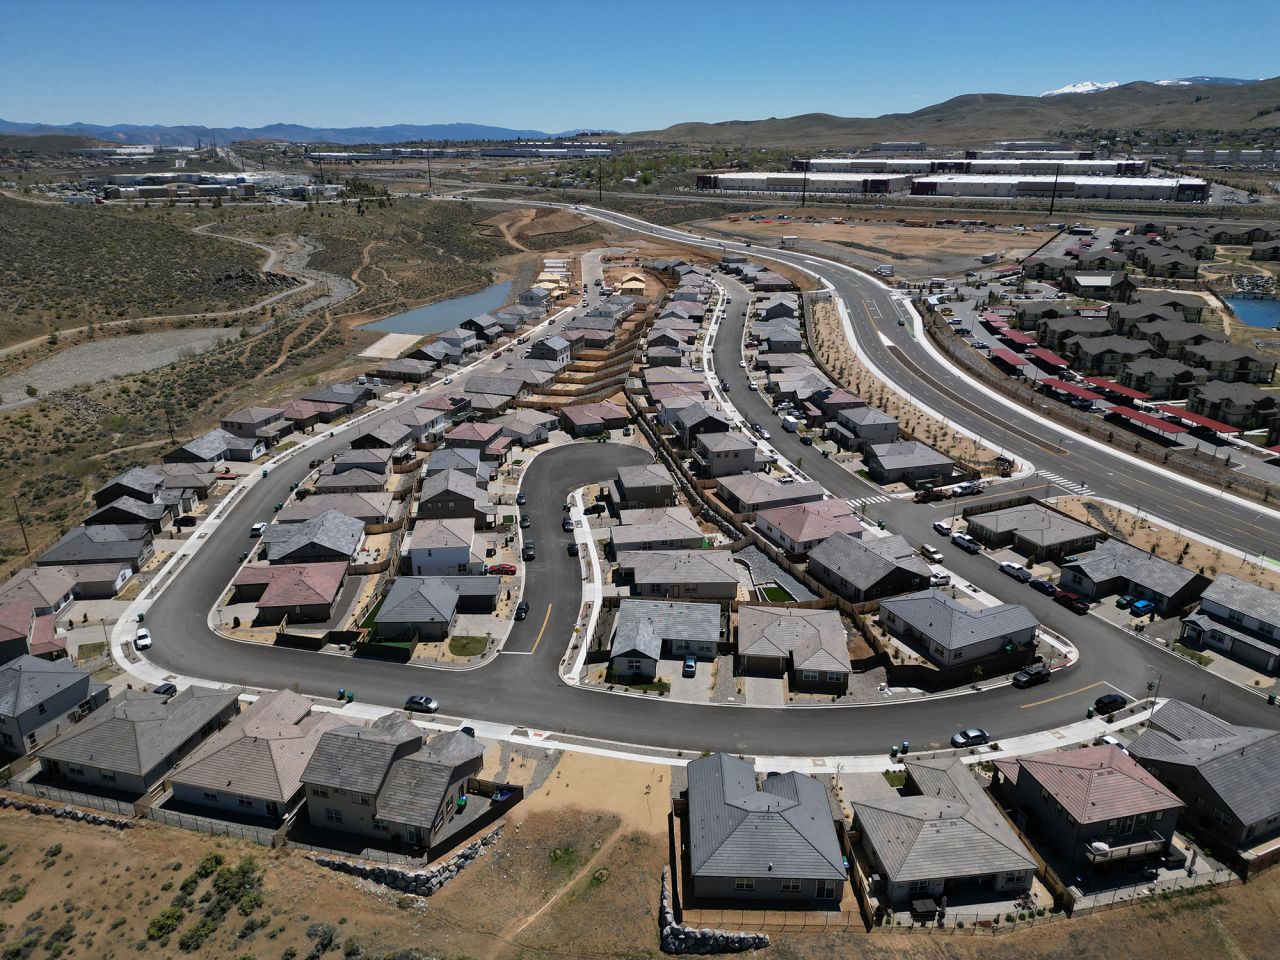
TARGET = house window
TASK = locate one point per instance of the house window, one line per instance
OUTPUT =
(40, 709)
(633, 665)
(360, 799)
(7, 738)
(210, 796)
(1044, 795)
(790, 886)
(381, 825)
(244, 801)
(834, 676)
(744, 883)
(957, 655)
(1156, 817)
(332, 815)
(826, 890)
(809, 675)
(1111, 826)
(320, 792)
(1235, 616)
(918, 886)
(1013, 877)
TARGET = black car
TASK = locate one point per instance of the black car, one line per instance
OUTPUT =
(1044, 586)
(521, 499)
(525, 522)
(165, 690)
(185, 522)
(566, 524)
(421, 703)
(806, 440)
(1110, 703)
(530, 551)
(522, 609)
(573, 549)
(1030, 676)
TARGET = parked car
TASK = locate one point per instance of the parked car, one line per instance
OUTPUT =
(1044, 586)
(931, 553)
(764, 434)
(525, 522)
(1110, 702)
(529, 551)
(165, 690)
(521, 499)
(447, 380)
(939, 579)
(1124, 601)
(1017, 571)
(742, 364)
(1140, 608)
(690, 668)
(185, 522)
(1072, 601)
(566, 524)
(966, 543)
(522, 609)
(971, 737)
(421, 703)
(1030, 676)
(142, 639)
(752, 386)
(942, 528)
(257, 529)
(806, 440)
(572, 548)
(502, 569)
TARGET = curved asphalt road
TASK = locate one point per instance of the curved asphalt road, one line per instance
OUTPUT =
(525, 690)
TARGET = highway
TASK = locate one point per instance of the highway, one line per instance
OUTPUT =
(522, 688)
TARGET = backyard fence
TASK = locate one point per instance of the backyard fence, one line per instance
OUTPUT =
(217, 828)
(124, 808)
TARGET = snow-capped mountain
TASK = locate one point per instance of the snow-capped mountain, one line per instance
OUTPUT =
(1084, 86)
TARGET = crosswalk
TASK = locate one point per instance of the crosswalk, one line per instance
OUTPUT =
(1071, 485)
(864, 501)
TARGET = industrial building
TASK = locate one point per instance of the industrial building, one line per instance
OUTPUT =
(1020, 165)
(1181, 189)
(814, 183)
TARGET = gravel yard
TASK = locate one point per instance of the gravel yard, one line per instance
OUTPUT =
(91, 362)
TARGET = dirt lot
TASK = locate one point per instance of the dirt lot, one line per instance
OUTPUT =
(1166, 543)
(834, 350)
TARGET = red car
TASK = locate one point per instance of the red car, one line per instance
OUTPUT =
(503, 569)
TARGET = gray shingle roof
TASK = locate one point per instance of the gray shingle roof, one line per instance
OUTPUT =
(357, 758)
(28, 681)
(951, 830)
(416, 785)
(1034, 523)
(98, 544)
(952, 625)
(680, 566)
(333, 530)
(866, 563)
(813, 639)
(431, 599)
(642, 622)
(1115, 558)
(263, 751)
(738, 830)
(1240, 764)
(209, 446)
(908, 453)
(1249, 598)
(645, 475)
(135, 731)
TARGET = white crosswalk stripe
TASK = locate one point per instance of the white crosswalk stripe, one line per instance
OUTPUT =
(863, 501)
(1061, 481)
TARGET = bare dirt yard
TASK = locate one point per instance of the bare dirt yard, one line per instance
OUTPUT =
(1146, 534)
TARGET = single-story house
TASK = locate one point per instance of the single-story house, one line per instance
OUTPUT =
(950, 633)
(799, 528)
(861, 570)
(1116, 567)
(588, 419)
(125, 544)
(423, 608)
(301, 592)
(1033, 530)
(328, 536)
(702, 574)
(645, 631)
(810, 647)
(908, 461)
(753, 492)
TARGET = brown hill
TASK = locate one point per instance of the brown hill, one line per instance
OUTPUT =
(981, 117)
(44, 143)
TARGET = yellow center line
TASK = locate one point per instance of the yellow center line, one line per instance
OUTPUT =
(1069, 693)
(542, 630)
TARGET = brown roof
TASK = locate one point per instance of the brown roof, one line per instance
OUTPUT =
(15, 620)
(473, 431)
(1096, 783)
(302, 409)
(813, 521)
(295, 584)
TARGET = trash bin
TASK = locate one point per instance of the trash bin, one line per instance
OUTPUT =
(893, 751)
(141, 617)
(351, 695)
(342, 693)
(906, 746)
(1089, 713)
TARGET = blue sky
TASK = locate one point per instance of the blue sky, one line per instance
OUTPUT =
(558, 64)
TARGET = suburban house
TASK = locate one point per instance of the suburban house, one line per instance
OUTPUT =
(126, 510)
(370, 459)
(446, 547)
(46, 589)
(941, 836)
(24, 633)
(425, 423)
(472, 436)
(384, 782)
(253, 766)
(752, 492)
(758, 840)
(656, 528)
(394, 435)
(859, 570)
(132, 741)
(701, 574)
(859, 427)
(328, 536)
(1230, 363)
(1228, 776)
(404, 369)
(41, 698)
(1239, 404)
(949, 633)
(454, 494)
(124, 545)
(423, 609)
(216, 446)
(467, 460)
(526, 427)
(1116, 567)
(372, 509)
(265, 423)
(300, 592)
(554, 347)
(138, 483)
(645, 631)
(1240, 619)
(700, 418)
(350, 481)
(908, 461)
(647, 485)
(589, 419)
(799, 528)
(1033, 530)
(724, 453)
(809, 647)
(1094, 806)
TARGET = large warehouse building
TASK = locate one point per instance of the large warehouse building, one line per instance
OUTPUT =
(813, 183)
(1181, 189)
(1019, 165)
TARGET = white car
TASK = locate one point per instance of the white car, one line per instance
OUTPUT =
(447, 380)
(931, 553)
(257, 530)
(752, 386)
(942, 528)
(142, 639)
(940, 580)
(764, 434)
(742, 364)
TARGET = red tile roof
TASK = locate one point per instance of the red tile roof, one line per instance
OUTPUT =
(1096, 783)
(481, 432)
(295, 584)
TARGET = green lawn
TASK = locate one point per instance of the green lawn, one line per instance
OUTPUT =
(896, 778)
(372, 615)
(775, 594)
(1194, 655)
(467, 646)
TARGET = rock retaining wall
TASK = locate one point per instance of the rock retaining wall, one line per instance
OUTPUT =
(67, 813)
(679, 939)
(421, 883)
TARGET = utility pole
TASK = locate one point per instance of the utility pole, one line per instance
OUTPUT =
(22, 524)
(1053, 197)
(169, 420)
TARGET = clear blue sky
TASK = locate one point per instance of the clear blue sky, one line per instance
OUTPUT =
(559, 64)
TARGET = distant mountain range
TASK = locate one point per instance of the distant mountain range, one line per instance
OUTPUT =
(1199, 103)
(1092, 86)
(191, 135)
